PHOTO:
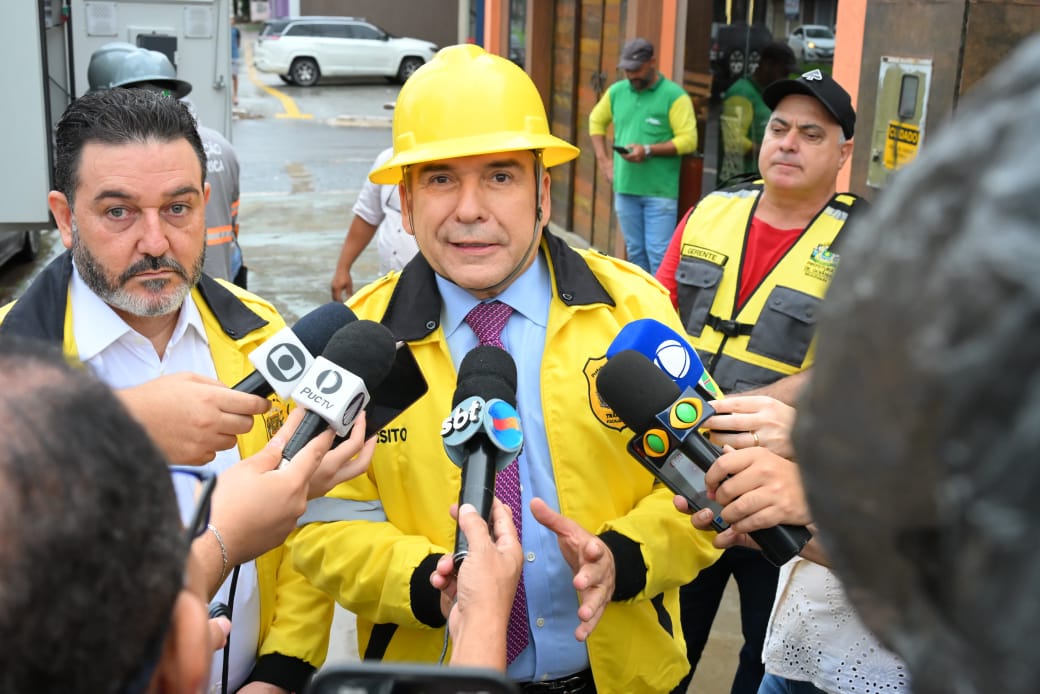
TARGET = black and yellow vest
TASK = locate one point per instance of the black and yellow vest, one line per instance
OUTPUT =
(773, 334)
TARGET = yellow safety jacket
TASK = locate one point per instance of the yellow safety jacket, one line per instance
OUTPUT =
(294, 615)
(380, 569)
(773, 334)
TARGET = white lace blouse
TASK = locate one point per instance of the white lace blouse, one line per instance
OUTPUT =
(814, 635)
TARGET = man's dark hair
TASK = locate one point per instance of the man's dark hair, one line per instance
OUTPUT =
(919, 436)
(92, 553)
(118, 117)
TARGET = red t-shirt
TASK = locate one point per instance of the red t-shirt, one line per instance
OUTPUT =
(766, 245)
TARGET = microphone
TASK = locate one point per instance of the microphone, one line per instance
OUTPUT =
(336, 387)
(283, 359)
(482, 434)
(666, 441)
(669, 351)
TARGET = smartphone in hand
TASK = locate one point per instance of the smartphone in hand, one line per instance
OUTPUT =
(622, 150)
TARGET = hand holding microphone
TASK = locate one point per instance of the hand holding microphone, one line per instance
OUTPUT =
(335, 389)
(743, 421)
(482, 434)
(666, 422)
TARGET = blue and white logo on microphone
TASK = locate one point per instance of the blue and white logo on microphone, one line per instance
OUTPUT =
(503, 426)
(672, 358)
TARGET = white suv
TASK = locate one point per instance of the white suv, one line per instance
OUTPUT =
(301, 50)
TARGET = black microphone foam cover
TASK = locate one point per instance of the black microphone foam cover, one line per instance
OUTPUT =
(636, 389)
(317, 327)
(486, 372)
(364, 348)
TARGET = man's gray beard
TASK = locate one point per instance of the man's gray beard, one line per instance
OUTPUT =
(114, 294)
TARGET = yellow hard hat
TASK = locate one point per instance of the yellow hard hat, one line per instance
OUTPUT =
(467, 102)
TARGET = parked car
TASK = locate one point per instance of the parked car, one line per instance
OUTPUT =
(735, 51)
(302, 50)
(19, 246)
(812, 43)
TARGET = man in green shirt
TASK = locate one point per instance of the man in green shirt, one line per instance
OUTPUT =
(654, 126)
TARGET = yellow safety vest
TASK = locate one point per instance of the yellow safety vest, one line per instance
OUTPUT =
(773, 333)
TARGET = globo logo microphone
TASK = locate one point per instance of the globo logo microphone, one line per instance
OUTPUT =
(333, 393)
(282, 361)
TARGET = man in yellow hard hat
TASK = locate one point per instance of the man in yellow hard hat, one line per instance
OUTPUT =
(604, 549)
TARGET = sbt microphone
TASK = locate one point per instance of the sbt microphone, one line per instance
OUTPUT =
(666, 441)
(669, 351)
(283, 359)
(482, 434)
(336, 387)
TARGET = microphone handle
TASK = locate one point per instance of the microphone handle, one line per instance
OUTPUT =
(254, 384)
(477, 488)
(311, 426)
(780, 543)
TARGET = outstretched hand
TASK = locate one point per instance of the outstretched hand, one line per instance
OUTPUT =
(591, 561)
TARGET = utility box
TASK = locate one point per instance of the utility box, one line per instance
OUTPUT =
(194, 34)
(36, 79)
(900, 116)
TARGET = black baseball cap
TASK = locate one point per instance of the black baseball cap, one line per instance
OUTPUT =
(635, 53)
(822, 86)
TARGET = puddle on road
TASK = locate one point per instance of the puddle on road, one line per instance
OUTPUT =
(302, 181)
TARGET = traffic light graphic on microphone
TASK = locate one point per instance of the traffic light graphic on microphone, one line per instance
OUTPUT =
(482, 435)
(667, 442)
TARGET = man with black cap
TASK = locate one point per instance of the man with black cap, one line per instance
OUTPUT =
(654, 126)
(748, 269)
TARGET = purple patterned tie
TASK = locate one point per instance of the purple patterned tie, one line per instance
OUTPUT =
(487, 321)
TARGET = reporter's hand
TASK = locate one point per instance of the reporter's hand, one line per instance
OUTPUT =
(589, 558)
(219, 630)
(484, 588)
(191, 417)
(256, 505)
(757, 489)
(740, 415)
(344, 462)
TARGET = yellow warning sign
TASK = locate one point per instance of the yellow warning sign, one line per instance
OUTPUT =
(901, 146)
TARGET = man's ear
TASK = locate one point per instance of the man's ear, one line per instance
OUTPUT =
(62, 212)
(846, 152)
(406, 208)
(186, 655)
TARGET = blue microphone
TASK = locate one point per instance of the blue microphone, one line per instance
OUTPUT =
(669, 351)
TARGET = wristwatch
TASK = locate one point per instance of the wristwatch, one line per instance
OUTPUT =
(647, 152)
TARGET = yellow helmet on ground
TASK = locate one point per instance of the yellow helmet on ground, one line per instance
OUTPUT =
(467, 102)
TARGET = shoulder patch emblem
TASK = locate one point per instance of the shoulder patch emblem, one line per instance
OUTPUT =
(600, 409)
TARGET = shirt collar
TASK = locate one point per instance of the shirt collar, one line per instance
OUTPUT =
(529, 295)
(96, 326)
